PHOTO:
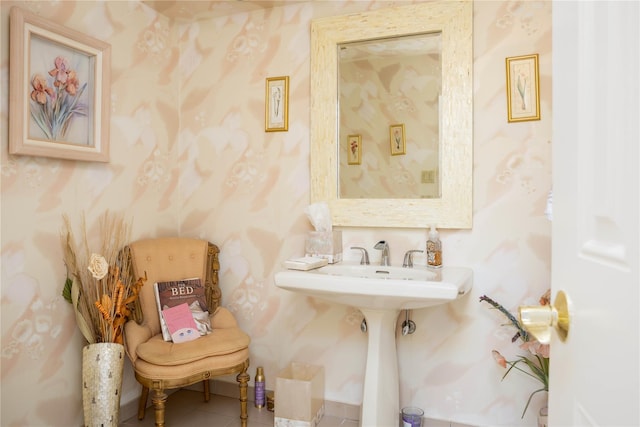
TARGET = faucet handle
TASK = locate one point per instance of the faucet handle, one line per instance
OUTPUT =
(408, 258)
(364, 260)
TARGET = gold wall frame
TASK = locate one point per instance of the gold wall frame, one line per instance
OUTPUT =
(276, 111)
(523, 88)
(59, 90)
(354, 149)
(397, 140)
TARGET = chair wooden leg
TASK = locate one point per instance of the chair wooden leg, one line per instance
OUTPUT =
(206, 390)
(243, 379)
(142, 403)
(159, 400)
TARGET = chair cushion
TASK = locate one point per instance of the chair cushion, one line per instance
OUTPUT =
(218, 343)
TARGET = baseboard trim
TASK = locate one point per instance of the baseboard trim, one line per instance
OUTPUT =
(128, 409)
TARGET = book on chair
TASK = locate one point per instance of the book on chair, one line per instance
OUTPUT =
(188, 291)
(180, 323)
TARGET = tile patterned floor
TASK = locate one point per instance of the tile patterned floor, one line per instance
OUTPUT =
(187, 408)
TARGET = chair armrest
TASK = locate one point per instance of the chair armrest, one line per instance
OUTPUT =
(222, 319)
(134, 335)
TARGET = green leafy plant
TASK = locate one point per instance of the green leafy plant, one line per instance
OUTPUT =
(534, 364)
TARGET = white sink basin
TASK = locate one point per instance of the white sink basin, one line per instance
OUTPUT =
(375, 286)
(380, 293)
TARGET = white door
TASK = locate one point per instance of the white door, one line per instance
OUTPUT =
(596, 222)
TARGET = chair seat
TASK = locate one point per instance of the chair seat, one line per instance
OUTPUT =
(219, 342)
(190, 373)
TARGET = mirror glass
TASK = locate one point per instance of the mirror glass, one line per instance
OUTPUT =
(389, 128)
(451, 205)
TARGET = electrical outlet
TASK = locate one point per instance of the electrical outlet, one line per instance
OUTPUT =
(428, 177)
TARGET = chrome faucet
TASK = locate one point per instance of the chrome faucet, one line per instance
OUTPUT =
(364, 260)
(408, 258)
(384, 247)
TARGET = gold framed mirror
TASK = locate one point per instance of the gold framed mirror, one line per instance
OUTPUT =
(454, 207)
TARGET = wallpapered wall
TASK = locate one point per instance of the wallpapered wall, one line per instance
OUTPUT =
(190, 157)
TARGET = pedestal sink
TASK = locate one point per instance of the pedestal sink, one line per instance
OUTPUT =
(380, 292)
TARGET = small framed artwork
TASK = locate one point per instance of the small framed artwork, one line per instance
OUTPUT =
(276, 115)
(397, 139)
(59, 90)
(354, 149)
(523, 90)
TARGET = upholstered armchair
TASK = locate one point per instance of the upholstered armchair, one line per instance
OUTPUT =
(162, 365)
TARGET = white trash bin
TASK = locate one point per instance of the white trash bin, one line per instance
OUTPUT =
(299, 396)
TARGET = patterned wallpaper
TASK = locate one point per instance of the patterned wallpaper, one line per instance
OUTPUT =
(190, 157)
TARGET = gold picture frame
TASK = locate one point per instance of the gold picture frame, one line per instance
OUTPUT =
(354, 149)
(523, 88)
(59, 90)
(397, 140)
(276, 111)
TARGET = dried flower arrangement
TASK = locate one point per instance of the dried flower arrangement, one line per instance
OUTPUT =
(98, 284)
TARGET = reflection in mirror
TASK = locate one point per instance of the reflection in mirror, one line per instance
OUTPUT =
(384, 83)
(454, 207)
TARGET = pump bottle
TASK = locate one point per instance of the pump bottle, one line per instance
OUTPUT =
(434, 249)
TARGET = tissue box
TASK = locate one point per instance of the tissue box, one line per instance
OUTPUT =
(325, 244)
(299, 396)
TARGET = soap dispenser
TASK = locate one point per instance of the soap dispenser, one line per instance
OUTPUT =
(434, 249)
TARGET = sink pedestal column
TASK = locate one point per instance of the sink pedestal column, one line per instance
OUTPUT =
(381, 397)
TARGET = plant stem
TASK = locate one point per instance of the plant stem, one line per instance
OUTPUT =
(521, 332)
(529, 401)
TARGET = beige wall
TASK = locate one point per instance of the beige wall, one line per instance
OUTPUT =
(190, 157)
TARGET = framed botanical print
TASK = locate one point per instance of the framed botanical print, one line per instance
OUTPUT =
(354, 149)
(277, 104)
(523, 89)
(397, 140)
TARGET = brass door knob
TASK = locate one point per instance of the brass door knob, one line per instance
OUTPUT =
(539, 319)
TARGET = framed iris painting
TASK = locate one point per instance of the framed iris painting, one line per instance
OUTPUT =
(59, 91)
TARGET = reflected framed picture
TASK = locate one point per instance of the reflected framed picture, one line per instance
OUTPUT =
(523, 88)
(276, 114)
(397, 140)
(59, 90)
(354, 149)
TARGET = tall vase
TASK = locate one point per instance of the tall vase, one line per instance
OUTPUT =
(102, 367)
(543, 417)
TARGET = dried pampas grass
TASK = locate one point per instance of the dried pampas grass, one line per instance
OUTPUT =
(99, 284)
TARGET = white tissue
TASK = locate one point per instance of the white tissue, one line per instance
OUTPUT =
(549, 210)
(319, 215)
